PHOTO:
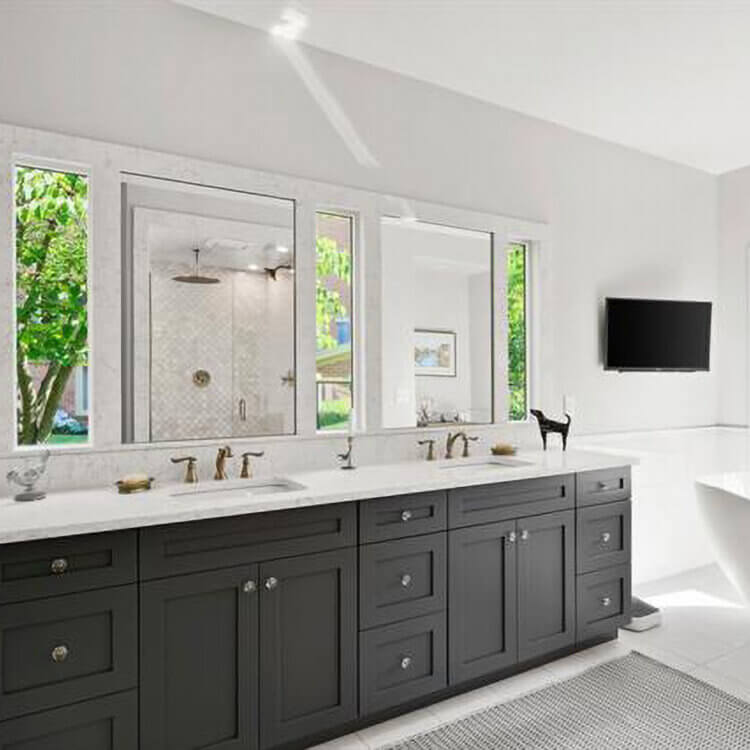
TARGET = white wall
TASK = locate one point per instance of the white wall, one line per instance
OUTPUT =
(166, 77)
(734, 246)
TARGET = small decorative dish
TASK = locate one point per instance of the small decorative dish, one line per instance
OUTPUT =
(504, 449)
(134, 483)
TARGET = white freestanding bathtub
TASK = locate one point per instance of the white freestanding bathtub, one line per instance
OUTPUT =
(724, 502)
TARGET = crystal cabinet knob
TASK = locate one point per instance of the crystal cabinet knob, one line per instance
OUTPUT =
(271, 583)
(606, 536)
(606, 601)
(512, 537)
(406, 515)
(249, 587)
(58, 566)
(406, 580)
(524, 535)
(60, 653)
(406, 662)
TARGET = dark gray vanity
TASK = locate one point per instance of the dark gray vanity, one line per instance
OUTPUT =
(285, 628)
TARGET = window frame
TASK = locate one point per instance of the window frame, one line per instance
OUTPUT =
(50, 164)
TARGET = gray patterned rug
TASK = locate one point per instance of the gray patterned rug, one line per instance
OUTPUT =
(632, 703)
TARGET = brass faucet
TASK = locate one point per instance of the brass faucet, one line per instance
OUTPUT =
(221, 458)
(467, 438)
(430, 448)
(247, 469)
(450, 440)
(191, 475)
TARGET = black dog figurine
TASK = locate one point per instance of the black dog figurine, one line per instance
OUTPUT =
(547, 425)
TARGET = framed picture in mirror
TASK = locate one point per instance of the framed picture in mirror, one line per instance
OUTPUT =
(434, 353)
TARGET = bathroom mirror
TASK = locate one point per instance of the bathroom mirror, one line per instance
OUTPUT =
(212, 345)
(436, 324)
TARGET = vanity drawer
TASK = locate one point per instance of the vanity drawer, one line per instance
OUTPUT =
(603, 486)
(32, 570)
(224, 542)
(65, 649)
(402, 662)
(603, 536)
(109, 723)
(487, 503)
(404, 515)
(603, 601)
(401, 579)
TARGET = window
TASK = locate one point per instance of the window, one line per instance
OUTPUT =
(333, 317)
(517, 295)
(51, 275)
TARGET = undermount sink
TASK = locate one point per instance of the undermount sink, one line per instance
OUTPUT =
(491, 462)
(239, 489)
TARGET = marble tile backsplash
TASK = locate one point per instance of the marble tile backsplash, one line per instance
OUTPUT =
(76, 468)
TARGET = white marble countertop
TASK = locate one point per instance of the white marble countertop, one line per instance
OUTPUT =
(94, 510)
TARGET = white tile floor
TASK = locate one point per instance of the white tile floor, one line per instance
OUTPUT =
(705, 632)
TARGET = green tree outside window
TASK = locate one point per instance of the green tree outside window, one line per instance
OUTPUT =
(516, 299)
(51, 285)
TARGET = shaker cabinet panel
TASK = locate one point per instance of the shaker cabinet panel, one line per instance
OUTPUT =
(482, 589)
(546, 584)
(51, 567)
(67, 648)
(215, 543)
(308, 636)
(490, 503)
(402, 662)
(109, 723)
(199, 654)
(603, 536)
(401, 516)
(603, 486)
(402, 579)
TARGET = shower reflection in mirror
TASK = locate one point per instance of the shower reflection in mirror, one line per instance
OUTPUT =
(436, 323)
(211, 312)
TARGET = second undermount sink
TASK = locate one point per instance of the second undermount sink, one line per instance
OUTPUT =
(487, 463)
(241, 488)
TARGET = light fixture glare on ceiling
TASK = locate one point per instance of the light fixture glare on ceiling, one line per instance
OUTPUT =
(291, 26)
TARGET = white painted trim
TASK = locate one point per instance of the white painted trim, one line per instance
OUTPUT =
(108, 162)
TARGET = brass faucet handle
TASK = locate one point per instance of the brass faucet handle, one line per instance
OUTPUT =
(430, 448)
(191, 475)
(467, 440)
(246, 471)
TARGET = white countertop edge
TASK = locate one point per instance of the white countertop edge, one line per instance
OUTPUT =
(98, 510)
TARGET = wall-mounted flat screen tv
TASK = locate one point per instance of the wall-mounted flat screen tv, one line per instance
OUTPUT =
(650, 334)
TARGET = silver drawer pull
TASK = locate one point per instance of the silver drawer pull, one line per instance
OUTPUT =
(606, 601)
(58, 566)
(406, 515)
(60, 653)
(406, 662)
(249, 587)
(512, 537)
(605, 537)
(406, 580)
(525, 535)
(271, 583)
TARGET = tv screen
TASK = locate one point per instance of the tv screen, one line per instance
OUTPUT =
(645, 334)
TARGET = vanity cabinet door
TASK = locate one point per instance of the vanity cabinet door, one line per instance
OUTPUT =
(308, 632)
(199, 661)
(546, 584)
(482, 603)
